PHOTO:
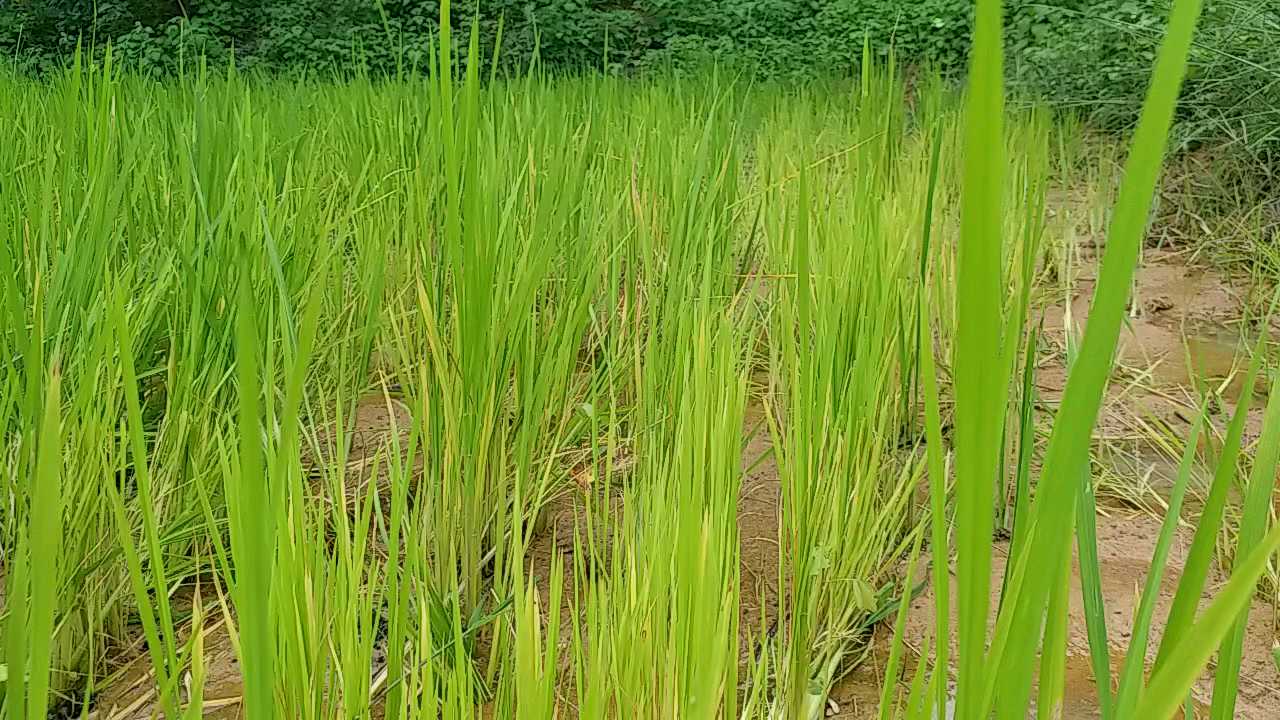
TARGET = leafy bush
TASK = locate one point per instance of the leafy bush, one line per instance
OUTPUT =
(1096, 55)
(775, 37)
(1092, 54)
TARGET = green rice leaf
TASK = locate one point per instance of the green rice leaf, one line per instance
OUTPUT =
(45, 544)
(1195, 571)
(979, 392)
(1257, 507)
(1184, 663)
(1132, 673)
(1095, 611)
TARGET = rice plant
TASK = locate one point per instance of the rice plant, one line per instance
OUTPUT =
(995, 671)
(447, 394)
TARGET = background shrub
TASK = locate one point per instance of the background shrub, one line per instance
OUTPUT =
(1090, 54)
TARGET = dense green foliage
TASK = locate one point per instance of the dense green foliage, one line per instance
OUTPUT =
(1072, 46)
(777, 37)
(1093, 54)
(1096, 54)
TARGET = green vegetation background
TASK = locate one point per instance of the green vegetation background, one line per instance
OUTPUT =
(1091, 54)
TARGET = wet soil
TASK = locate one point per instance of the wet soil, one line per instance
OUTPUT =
(1126, 541)
(1184, 333)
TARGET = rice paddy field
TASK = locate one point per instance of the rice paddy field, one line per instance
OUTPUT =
(463, 395)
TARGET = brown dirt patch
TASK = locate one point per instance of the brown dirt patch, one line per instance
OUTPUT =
(132, 693)
(1184, 330)
(1126, 542)
(1182, 325)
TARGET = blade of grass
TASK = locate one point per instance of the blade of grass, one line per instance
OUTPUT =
(1026, 445)
(979, 392)
(919, 702)
(146, 493)
(253, 518)
(939, 547)
(1095, 612)
(926, 224)
(195, 690)
(17, 653)
(1195, 571)
(45, 542)
(1131, 674)
(891, 670)
(1053, 655)
(1184, 663)
(1257, 506)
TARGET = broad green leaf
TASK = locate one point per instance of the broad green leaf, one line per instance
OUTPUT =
(979, 391)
